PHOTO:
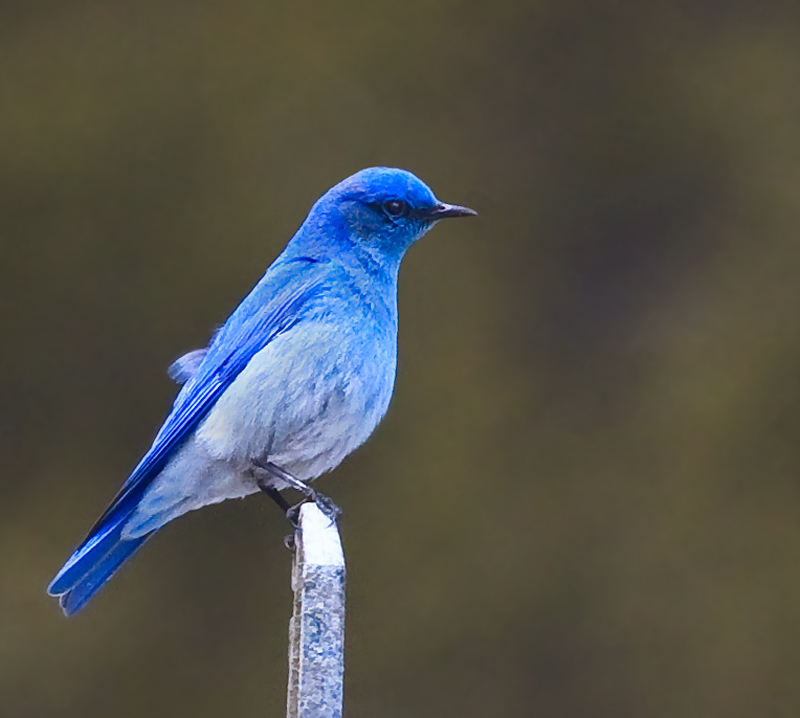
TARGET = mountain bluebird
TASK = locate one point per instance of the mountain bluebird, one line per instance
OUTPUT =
(297, 378)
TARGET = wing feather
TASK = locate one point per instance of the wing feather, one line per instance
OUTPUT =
(272, 308)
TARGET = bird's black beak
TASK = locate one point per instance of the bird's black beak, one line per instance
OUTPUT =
(443, 211)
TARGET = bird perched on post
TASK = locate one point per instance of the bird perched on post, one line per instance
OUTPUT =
(297, 378)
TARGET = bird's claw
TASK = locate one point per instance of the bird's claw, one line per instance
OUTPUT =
(293, 514)
(324, 504)
(265, 470)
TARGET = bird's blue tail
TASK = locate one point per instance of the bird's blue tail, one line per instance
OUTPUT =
(93, 563)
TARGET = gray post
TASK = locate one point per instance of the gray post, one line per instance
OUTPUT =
(316, 631)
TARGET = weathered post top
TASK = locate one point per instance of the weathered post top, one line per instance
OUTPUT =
(316, 630)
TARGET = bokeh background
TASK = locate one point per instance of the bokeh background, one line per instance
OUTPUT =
(585, 500)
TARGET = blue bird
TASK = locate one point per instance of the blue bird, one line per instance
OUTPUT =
(297, 378)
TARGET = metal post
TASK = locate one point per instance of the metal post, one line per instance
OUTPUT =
(316, 630)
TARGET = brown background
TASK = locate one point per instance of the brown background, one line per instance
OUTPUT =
(585, 500)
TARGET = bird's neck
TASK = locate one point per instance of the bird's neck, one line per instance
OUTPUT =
(379, 266)
(336, 243)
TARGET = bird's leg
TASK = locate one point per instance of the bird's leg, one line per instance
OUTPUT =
(275, 495)
(330, 509)
(263, 476)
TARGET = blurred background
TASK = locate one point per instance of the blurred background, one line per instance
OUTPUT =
(585, 499)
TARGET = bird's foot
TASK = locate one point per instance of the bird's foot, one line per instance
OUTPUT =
(267, 472)
(324, 504)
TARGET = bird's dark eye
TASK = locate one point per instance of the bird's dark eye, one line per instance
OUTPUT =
(395, 207)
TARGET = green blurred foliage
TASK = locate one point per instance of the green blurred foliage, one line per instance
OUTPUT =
(585, 498)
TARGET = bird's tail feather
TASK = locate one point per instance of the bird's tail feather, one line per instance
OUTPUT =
(93, 563)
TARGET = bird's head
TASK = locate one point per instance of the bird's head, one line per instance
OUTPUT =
(388, 209)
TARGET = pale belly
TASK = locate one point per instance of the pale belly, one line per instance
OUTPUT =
(304, 402)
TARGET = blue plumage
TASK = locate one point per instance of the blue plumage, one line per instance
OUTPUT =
(299, 375)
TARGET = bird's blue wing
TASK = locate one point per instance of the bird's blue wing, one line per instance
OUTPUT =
(274, 306)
